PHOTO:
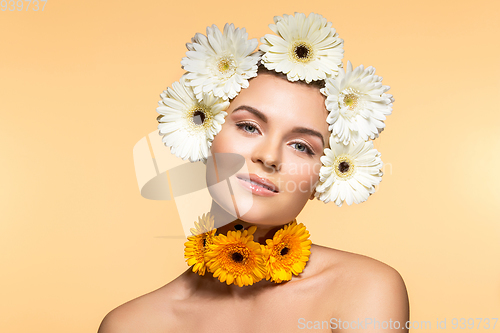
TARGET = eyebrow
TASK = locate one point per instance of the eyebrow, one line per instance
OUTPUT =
(263, 117)
(252, 110)
(310, 132)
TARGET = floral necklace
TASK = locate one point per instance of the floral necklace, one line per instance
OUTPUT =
(236, 258)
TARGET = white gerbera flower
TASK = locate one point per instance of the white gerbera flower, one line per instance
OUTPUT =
(221, 64)
(357, 103)
(306, 48)
(189, 125)
(349, 173)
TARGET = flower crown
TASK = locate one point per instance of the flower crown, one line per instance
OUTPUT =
(220, 64)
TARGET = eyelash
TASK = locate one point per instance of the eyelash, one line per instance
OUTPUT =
(309, 151)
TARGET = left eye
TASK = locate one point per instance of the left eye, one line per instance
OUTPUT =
(302, 147)
(249, 128)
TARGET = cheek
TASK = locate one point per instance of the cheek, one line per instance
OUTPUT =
(301, 177)
(221, 144)
(228, 141)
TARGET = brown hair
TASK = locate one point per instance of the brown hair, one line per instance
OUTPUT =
(262, 69)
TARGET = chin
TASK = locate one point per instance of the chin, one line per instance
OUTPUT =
(269, 213)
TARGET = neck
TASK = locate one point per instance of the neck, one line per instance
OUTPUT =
(209, 287)
(239, 260)
(225, 222)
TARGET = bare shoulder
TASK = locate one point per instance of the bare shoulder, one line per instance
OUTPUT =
(152, 312)
(356, 267)
(365, 287)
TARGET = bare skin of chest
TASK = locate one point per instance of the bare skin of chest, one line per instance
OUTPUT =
(335, 285)
(280, 309)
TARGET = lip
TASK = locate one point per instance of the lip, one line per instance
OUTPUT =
(264, 187)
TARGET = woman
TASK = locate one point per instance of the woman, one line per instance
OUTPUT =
(284, 129)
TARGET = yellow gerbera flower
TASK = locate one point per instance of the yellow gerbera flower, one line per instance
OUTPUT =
(195, 247)
(287, 253)
(236, 258)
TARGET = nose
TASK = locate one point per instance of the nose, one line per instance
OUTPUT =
(268, 153)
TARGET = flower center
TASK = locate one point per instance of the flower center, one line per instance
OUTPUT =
(199, 118)
(284, 251)
(344, 167)
(226, 66)
(349, 101)
(302, 52)
(237, 257)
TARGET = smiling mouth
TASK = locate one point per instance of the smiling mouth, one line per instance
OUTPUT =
(258, 184)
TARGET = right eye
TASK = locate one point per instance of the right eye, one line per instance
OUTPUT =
(248, 127)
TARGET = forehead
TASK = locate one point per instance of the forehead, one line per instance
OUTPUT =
(289, 103)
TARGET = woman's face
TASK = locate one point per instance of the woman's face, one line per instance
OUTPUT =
(280, 129)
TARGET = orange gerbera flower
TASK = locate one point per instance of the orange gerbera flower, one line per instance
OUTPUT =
(287, 253)
(195, 247)
(236, 258)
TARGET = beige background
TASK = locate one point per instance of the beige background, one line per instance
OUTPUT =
(79, 85)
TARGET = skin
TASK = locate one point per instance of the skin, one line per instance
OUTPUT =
(273, 149)
(335, 285)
